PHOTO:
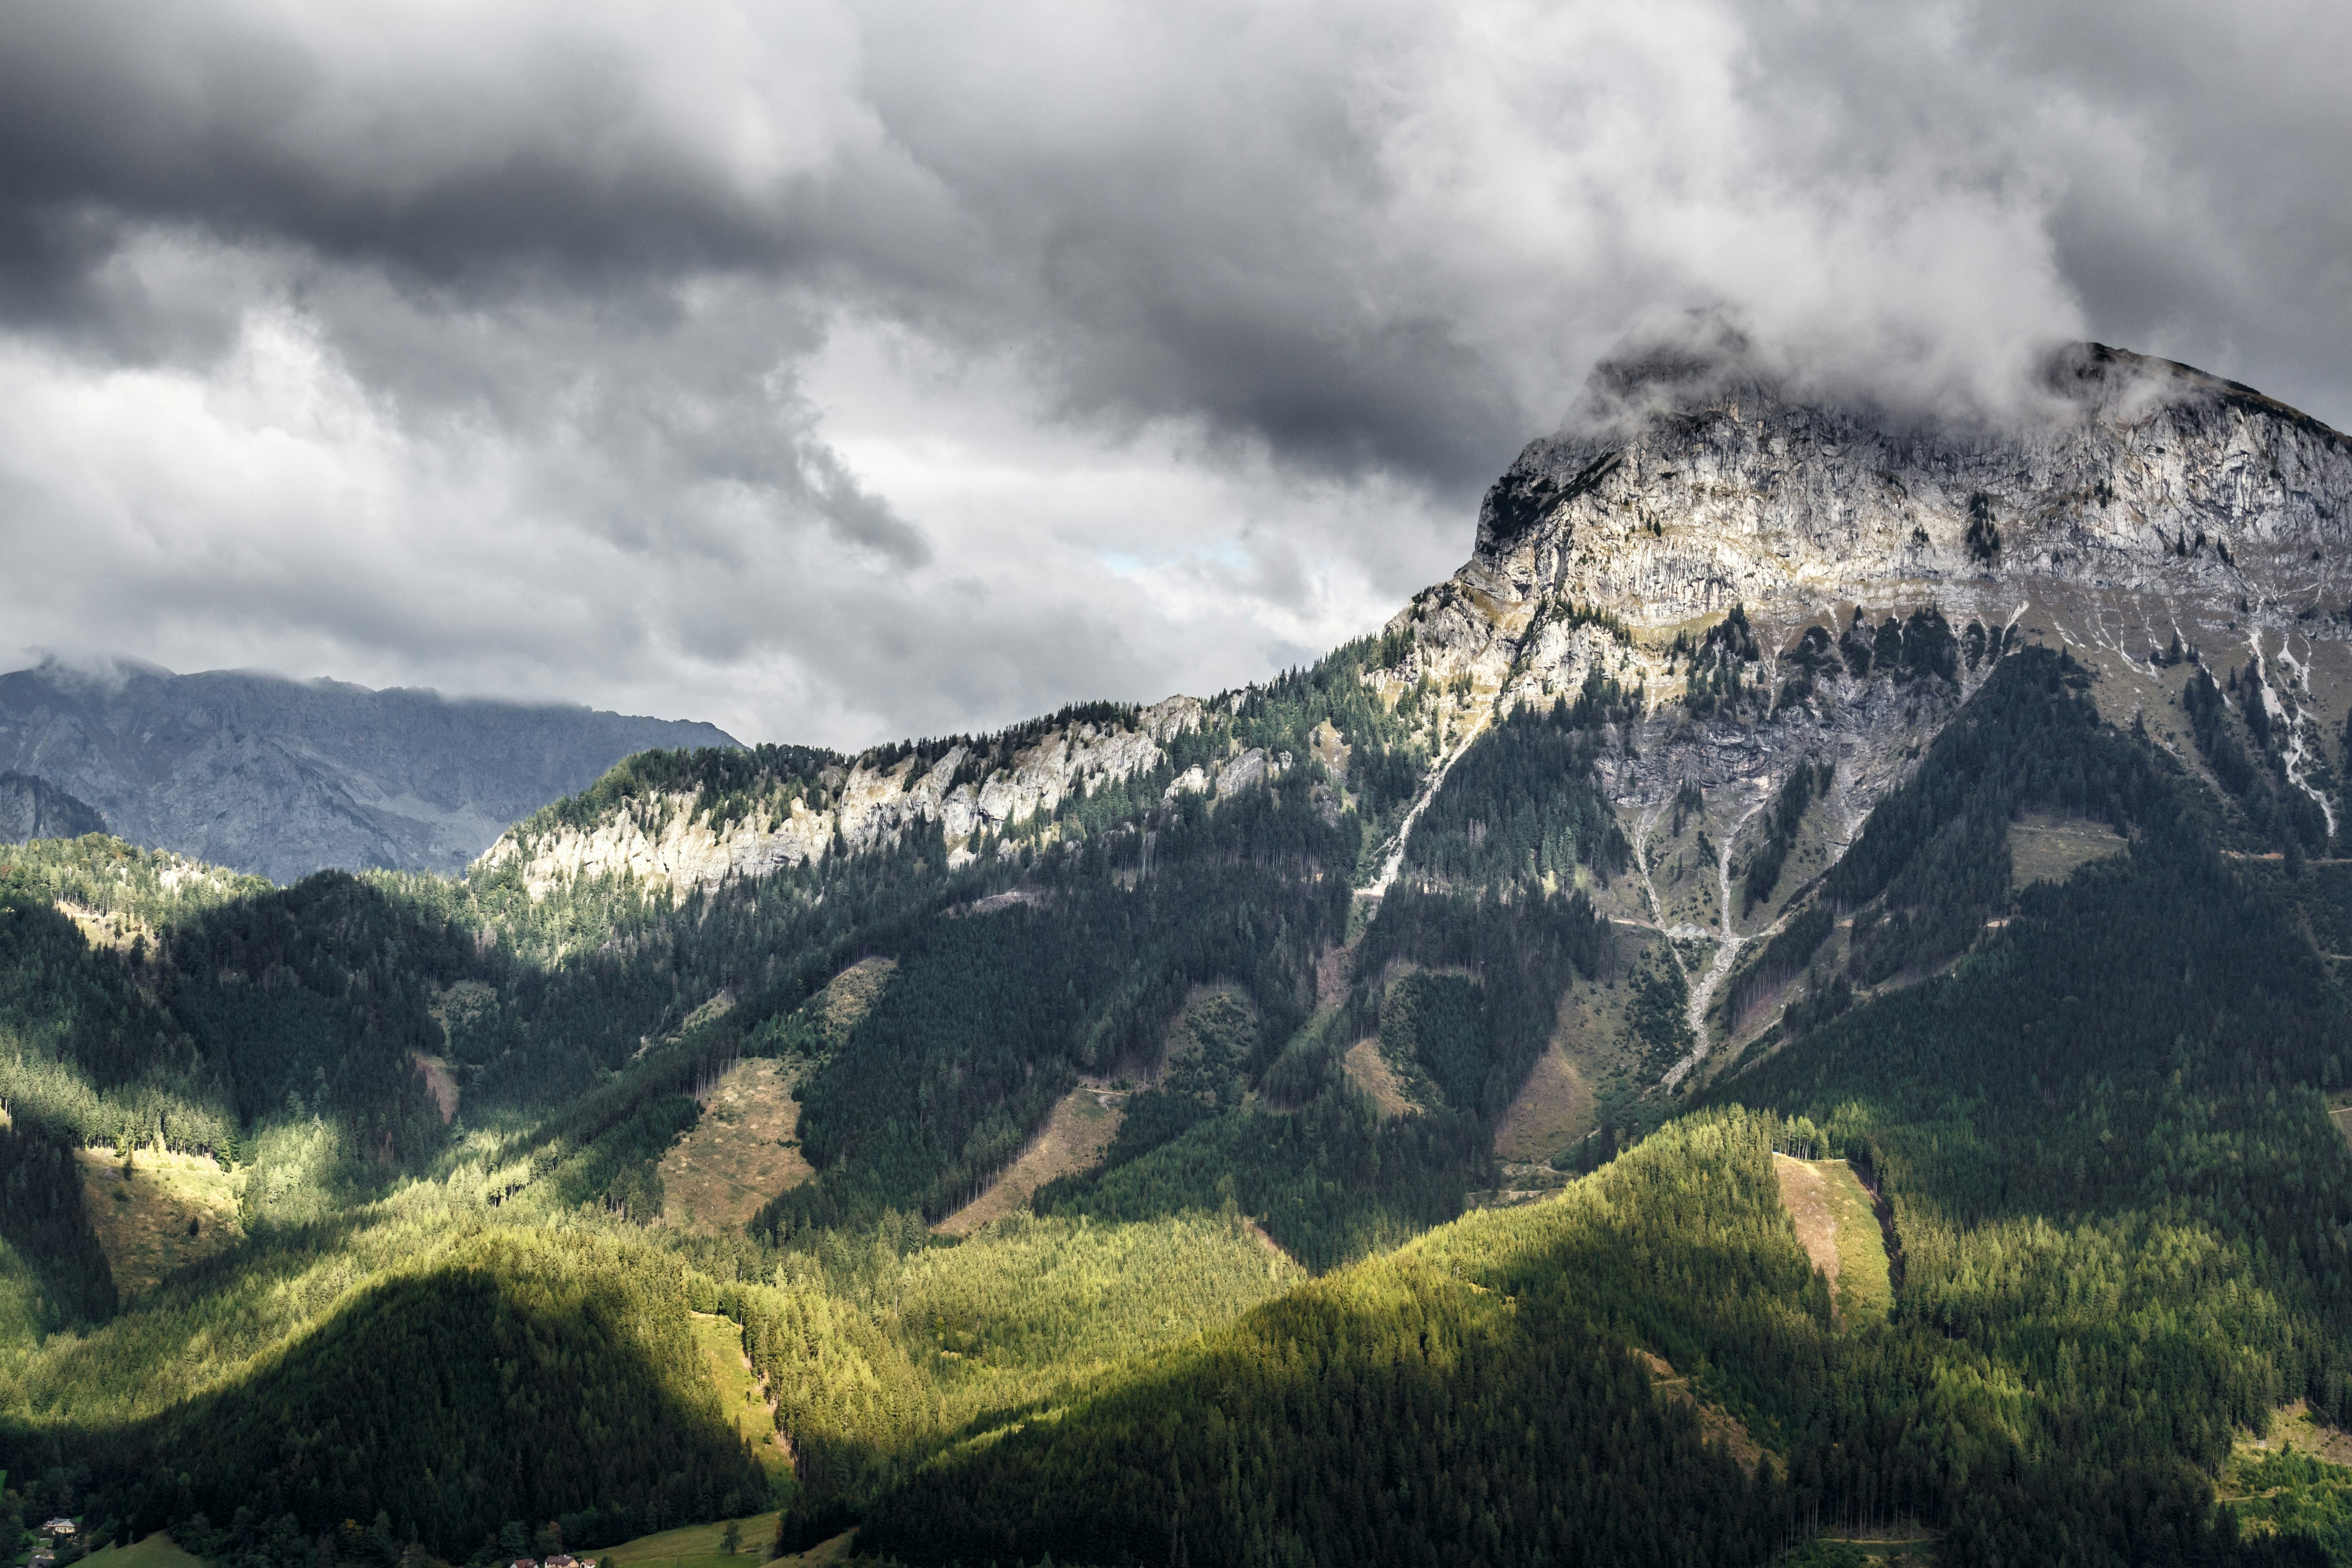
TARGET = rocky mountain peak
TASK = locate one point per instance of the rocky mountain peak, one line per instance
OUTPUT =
(2136, 510)
(2136, 473)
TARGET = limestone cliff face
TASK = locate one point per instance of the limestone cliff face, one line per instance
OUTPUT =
(35, 809)
(676, 841)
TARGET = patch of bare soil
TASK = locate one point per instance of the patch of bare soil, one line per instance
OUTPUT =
(1714, 1420)
(438, 1083)
(2293, 1425)
(2343, 1120)
(2044, 849)
(1266, 1239)
(1552, 1108)
(1805, 1194)
(1072, 1139)
(168, 1212)
(851, 995)
(1371, 1072)
(744, 1151)
(1331, 977)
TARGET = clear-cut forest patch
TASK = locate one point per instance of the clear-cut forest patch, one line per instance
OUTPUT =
(742, 1152)
(1839, 1230)
(158, 1213)
(1369, 1071)
(2047, 849)
(1081, 1126)
(1552, 1110)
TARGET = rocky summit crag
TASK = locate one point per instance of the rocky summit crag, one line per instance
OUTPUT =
(281, 777)
(2145, 515)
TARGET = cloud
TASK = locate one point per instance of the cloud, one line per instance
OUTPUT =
(834, 372)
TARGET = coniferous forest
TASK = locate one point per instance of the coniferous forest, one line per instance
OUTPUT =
(450, 1299)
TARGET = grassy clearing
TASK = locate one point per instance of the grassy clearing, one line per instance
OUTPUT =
(1687, 871)
(170, 1211)
(2297, 1480)
(742, 1392)
(701, 1546)
(1817, 843)
(1371, 1072)
(158, 1551)
(1073, 1140)
(744, 1151)
(1595, 1036)
(2043, 849)
(1552, 1110)
(2293, 1426)
(2342, 1117)
(110, 932)
(851, 995)
(1906, 1546)
(1030, 1305)
(1837, 1226)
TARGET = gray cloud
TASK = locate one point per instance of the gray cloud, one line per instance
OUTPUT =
(831, 372)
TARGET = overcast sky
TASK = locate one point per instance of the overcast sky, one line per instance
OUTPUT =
(835, 372)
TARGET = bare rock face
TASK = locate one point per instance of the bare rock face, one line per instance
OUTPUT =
(674, 842)
(2136, 475)
(2134, 502)
(35, 809)
(281, 778)
(1786, 582)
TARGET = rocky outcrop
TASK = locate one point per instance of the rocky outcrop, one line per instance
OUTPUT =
(2135, 474)
(676, 840)
(35, 809)
(1228, 777)
(281, 778)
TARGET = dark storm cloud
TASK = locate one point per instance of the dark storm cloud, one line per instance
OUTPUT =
(836, 371)
(1192, 262)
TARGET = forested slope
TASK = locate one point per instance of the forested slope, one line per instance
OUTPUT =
(2122, 1219)
(2096, 1109)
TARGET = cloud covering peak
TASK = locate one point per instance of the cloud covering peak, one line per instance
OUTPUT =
(845, 371)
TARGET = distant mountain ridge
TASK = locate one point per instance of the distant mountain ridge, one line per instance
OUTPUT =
(281, 777)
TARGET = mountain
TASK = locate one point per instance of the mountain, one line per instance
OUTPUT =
(281, 777)
(2138, 503)
(1798, 1009)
